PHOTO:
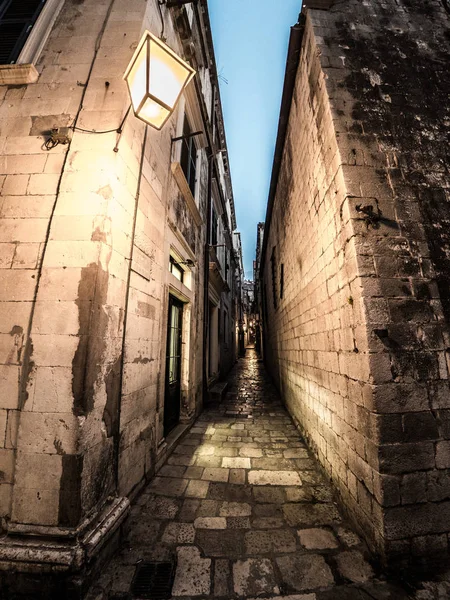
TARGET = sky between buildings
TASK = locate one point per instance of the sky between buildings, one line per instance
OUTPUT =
(250, 40)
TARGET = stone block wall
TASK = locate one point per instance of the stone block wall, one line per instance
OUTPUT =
(358, 342)
(73, 430)
(30, 180)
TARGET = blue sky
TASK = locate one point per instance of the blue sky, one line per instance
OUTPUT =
(250, 41)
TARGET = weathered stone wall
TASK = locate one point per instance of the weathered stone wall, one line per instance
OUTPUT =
(358, 342)
(37, 378)
(66, 227)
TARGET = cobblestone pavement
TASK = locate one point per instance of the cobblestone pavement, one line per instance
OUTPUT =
(243, 509)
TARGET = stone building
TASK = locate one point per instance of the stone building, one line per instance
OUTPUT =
(108, 338)
(240, 341)
(355, 261)
(258, 291)
(248, 308)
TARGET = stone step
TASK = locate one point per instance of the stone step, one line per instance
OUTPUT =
(217, 391)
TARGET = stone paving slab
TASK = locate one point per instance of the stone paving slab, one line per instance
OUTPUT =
(243, 509)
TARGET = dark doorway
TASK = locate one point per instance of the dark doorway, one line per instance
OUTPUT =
(173, 365)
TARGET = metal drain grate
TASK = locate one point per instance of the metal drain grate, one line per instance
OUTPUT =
(153, 581)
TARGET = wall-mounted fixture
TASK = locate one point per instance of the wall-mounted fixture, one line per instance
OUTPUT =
(156, 78)
(174, 3)
(188, 262)
(185, 137)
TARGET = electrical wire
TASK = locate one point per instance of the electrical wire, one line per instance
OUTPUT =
(93, 130)
(118, 130)
(50, 144)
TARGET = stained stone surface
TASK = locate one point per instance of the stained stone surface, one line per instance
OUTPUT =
(305, 572)
(222, 577)
(243, 508)
(254, 577)
(210, 523)
(181, 533)
(317, 539)
(274, 478)
(262, 542)
(235, 509)
(354, 567)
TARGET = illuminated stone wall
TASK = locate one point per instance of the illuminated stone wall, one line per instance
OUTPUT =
(83, 337)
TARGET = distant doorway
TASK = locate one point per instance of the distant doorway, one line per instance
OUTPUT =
(172, 396)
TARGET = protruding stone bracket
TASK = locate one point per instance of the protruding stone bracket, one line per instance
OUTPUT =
(18, 74)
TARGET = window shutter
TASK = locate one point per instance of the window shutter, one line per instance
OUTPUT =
(17, 18)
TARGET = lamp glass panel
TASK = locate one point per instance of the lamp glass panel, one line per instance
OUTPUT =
(153, 113)
(137, 78)
(167, 75)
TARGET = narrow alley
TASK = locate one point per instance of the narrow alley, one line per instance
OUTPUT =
(242, 510)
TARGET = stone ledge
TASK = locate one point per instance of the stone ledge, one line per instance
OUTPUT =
(217, 391)
(18, 74)
(42, 554)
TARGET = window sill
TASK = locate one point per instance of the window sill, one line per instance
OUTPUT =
(186, 191)
(18, 74)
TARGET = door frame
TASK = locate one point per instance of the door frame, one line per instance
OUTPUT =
(169, 426)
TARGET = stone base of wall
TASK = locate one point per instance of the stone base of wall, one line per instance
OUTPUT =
(50, 564)
(415, 558)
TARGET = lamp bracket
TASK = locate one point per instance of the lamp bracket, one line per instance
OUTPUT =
(120, 129)
(174, 3)
(185, 137)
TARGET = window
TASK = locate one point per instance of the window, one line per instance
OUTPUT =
(17, 18)
(214, 224)
(176, 270)
(188, 159)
